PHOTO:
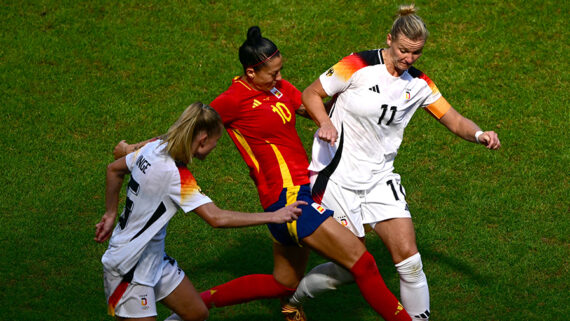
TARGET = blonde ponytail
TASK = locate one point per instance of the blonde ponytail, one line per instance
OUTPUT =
(196, 118)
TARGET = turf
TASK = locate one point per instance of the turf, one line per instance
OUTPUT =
(77, 77)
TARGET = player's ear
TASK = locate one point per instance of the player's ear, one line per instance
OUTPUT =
(389, 39)
(250, 72)
(202, 138)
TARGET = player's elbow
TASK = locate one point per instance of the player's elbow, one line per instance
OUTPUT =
(217, 221)
(213, 221)
(309, 95)
(213, 215)
(110, 168)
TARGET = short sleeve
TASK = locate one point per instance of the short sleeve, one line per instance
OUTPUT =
(227, 107)
(131, 158)
(337, 78)
(185, 192)
(293, 94)
(439, 107)
(434, 102)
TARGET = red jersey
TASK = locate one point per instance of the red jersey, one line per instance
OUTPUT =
(262, 125)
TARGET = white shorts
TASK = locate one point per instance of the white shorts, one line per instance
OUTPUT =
(357, 209)
(139, 301)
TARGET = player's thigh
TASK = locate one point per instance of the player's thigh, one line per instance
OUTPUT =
(336, 242)
(137, 302)
(186, 302)
(399, 237)
(346, 205)
(385, 200)
(290, 262)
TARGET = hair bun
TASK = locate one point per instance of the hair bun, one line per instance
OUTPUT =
(406, 10)
(253, 35)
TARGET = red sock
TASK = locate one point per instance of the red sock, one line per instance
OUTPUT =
(374, 289)
(244, 289)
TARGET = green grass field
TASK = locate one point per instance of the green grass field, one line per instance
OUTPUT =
(77, 77)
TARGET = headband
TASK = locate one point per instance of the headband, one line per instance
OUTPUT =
(264, 60)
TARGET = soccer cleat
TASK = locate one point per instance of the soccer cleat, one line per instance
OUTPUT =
(293, 313)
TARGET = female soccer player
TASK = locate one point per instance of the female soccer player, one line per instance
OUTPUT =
(258, 111)
(137, 271)
(376, 93)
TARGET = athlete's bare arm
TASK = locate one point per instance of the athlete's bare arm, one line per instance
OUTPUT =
(123, 148)
(466, 129)
(302, 111)
(116, 172)
(313, 101)
(218, 217)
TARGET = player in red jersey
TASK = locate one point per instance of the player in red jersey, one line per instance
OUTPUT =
(258, 111)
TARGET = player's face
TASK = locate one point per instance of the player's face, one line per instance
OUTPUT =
(403, 52)
(267, 76)
(205, 147)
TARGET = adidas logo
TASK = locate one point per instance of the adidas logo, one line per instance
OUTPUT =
(423, 316)
(375, 89)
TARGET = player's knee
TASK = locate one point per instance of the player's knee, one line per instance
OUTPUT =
(199, 313)
(354, 250)
(200, 316)
(366, 265)
(404, 252)
(411, 269)
(287, 282)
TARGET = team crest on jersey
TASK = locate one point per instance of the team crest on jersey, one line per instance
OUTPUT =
(330, 72)
(144, 302)
(318, 207)
(343, 220)
(408, 94)
(276, 92)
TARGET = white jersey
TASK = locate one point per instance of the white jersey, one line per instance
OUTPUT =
(158, 187)
(371, 111)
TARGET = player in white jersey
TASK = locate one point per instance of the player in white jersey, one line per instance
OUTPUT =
(376, 93)
(137, 271)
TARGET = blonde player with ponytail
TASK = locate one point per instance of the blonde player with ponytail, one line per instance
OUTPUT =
(137, 271)
(376, 93)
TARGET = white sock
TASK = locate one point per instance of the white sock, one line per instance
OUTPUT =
(321, 278)
(414, 290)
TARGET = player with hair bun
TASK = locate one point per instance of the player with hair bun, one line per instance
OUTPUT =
(376, 92)
(137, 271)
(258, 111)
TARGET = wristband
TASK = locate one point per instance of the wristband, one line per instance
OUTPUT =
(477, 134)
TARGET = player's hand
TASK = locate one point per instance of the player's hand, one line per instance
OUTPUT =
(121, 149)
(288, 213)
(104, 228)
(328, 133)
(490, 139)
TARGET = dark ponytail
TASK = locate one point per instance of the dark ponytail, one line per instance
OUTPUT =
(256, 50)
